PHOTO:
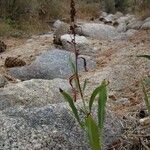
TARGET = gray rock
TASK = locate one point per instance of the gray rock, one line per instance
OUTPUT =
(57, 24)
(33, 93)
(125, 35)
(130, 32)
(118, 14)
(147, 20)
(82, 43)
(122, 27)
(110, 17)
(103, 14)
(121, 36)
(50, 128)
(98, 31)
(79, 39)
(50, 65)
(120, 77)
(125, 19)
(146, 25)
(2, 81)
(130, 17)
(135, 24)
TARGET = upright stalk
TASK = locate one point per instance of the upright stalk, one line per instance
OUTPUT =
(76, 52)
(89, 124)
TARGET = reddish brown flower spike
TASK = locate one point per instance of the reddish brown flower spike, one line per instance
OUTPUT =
(72, 11)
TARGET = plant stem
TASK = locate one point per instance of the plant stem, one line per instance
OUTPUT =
(72, 28)
(76, 72)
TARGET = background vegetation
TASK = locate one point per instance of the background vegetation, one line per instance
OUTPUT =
(32, 16)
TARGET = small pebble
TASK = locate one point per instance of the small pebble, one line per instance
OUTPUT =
(145, 121)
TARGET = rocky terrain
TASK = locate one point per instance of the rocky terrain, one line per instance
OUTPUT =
(34, 116)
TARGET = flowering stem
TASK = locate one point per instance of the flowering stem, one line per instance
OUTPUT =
(72, 28)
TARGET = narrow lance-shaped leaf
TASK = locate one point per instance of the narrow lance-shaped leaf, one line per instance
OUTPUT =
(72, 65)
(73, 68)
(84, 85)
(145, 56)
(69, 99)
(93, 133)
(146, 98)
(94, 94)
(102, 105)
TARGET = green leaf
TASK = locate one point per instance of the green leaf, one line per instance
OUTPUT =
(69, 99)
(145, 56)
(84, 85)
(147, 103)
(101, 106)
(73, 69)
(94, 94)
(72, 65)
(93, 133)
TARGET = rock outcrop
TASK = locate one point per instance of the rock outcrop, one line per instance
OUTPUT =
(50, 127)
(50, 65)
(33, 93)
(2, 81)
(98, 31)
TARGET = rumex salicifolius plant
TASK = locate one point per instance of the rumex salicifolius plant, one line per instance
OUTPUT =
(146, 98)
(89, 124)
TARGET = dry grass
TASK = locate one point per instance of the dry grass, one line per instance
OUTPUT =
(32, 15)
(143, 14)
(35, 19)
(4, 28)
(136, 136)
(142, 8)
(88, 10)
(7, 30)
